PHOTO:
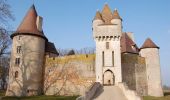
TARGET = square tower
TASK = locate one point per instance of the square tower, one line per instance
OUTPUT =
(107, 31)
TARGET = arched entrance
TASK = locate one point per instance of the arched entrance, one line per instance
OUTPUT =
(108, 78)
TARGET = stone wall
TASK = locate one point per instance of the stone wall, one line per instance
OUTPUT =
(73, 75)
(134, 72)
(69, 75)
(25, 76)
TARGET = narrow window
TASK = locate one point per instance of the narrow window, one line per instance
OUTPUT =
(103, 58)
(18, 49)
(19, 38)
(16, 74)
(17, 61)
(113, 58)
(107, 45)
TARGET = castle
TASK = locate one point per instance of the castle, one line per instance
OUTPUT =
(36, 69)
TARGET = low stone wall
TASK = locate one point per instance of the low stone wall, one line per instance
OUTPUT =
(130, 94)
(91, 92)
(69, 75)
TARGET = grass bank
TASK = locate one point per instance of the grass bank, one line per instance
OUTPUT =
(41, 98)
(166, 97)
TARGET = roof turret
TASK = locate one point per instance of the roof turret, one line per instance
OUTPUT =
(107, 14)
(116, 15)
(149, 44)
(98, 16)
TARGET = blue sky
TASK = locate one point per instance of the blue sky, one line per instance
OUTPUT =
(68, 23)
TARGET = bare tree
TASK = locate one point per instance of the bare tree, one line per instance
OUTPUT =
(5, 42)
(5, 12)
(5, 16)
(65, 52)
(59, 72)
(87, 50)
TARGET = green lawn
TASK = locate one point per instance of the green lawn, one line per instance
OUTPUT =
(166, 97)
(41, 98)
(157, 98)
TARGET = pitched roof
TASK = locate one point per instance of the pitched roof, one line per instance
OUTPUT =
(50, 47)
(127, 45)
(116, 15)
(98, 16)
(28, 24)
(107, 14)
(149, 44)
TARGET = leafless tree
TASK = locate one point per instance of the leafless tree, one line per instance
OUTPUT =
(5, 41)
(5, 16)
(63, 52)
(5, 12)
(4, 67)
(60, 74)
(87, 50)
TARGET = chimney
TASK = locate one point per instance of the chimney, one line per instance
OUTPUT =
(39, 23)
(130, 34)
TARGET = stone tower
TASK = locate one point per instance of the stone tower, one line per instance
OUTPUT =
(107, 31)
(150, 51)
(27, 57)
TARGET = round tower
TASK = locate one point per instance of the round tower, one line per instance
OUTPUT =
(27, 57)
(117, 22)
(150, 51)
(97, 20)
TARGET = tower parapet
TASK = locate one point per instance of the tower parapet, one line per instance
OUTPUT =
(107, 25)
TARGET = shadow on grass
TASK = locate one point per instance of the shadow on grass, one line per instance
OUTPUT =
(41, 98)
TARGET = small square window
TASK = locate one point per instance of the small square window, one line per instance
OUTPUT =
(107, 45)
(16, 74)
(17, 61)
(18, 49)
(19, 38)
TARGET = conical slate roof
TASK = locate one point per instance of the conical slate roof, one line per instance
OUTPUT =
(116, 15)
(149, 44)
(127, 45)
(98, 16)
(28, 24)
(107, 14)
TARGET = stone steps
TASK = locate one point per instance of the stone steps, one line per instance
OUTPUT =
(110, 93)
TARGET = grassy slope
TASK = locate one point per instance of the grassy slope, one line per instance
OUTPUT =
(166, 97)
(41, 98)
